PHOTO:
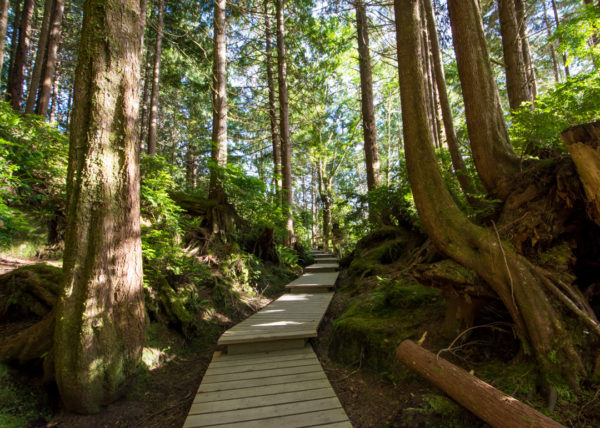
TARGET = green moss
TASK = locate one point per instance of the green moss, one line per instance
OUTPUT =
(375, 323)
(22, 404)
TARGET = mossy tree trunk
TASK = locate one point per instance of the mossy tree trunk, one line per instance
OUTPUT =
(100, 315)
(40, 56)
(535, 303)
(3, 25)
(494, 157)
(366, 91)
(284, 124)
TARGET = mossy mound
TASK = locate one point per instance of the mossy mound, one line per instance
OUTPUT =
(23, 402)
(29, 291)
(376, 321)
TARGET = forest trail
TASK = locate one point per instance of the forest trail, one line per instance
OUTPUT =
(270, 376)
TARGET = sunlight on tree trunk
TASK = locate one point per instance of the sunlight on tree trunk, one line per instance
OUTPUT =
(100, 317)
(153, 120)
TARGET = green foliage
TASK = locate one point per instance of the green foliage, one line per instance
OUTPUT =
(33, 167)
(287, 257)
(573, 102)
(21, 405)
(578, 37)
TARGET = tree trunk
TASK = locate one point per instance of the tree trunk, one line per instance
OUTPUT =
(3, 24)
(552, 47)
(14, 41)
(100, 316)
(40, 57)
(557, 22)
(51, 58)
(272, 107)
(514, 65)
(190, 167)
(54, 99)
(17, 75)
(325, 196)
(366, 91)
(583, 144)
(453, 146)
(536, 311)
(145, 99)
(524, 38)
(153, 122)
(491, 405)
(284, 124)
(492, 152)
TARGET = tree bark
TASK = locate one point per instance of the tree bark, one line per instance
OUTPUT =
(284, 124)
(366, 91)
(54, 98)
(452, 140)
(514, 65)
(272, 107)
(494, 157)
(557, 22)
(552, 47)
(491, 405)
(17, 75)
(524, 38)
(3, 24)
(14, 41)
(51, 58)
(538, 317)
(100, 316)
(153, 121)
(39, 57)
(190, 167)
(145, 99)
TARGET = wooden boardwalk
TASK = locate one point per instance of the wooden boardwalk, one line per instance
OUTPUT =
(270, 376)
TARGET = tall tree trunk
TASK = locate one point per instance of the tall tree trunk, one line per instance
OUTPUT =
(452, 140)
(14, 41)
(284, 124)
(552, 47)
(539, 323)
(366, 91)
(428, 74)
(40, 57)
(219, 101)
(557, 22)
(325, 196)
(100, 316)
(51, 58)
(54, 99)
(153, 122)
(494, 157)
(190, 167)
(524, 37)
(17, 76)
(145, 99)
(514, 65)
(272, 106)
(3, 24)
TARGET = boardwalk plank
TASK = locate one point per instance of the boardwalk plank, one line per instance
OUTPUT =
(262, 413)
(261, 401)
(252, 383)
(232, 394)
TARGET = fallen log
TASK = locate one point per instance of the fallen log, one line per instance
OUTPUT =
(485, 401)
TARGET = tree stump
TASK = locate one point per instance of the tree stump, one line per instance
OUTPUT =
(583, 144)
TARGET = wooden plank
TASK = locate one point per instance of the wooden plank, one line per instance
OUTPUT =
(253, 383)
(322, 267)
(260, 374)
(261, 401)
(233, 394)
(267, 355)
(235, 365)
(319, 278)
(271, 345)
(261, 413)
(243, 370)
(296, 421)
(345, 424)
